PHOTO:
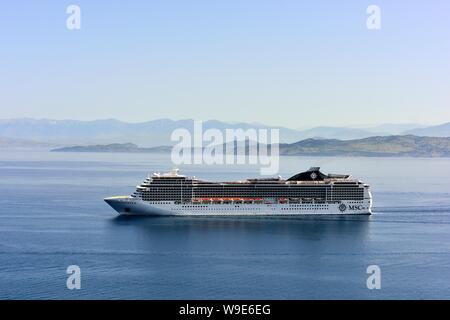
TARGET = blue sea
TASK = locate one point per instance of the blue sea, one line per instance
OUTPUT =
(52, 215)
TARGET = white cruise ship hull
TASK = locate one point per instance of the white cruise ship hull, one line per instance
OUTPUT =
(132, 206)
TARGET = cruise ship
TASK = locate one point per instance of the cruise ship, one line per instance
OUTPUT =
(307, 193)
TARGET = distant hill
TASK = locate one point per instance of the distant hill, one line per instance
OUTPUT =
(393, 128)
(442, 130)
(115, 147)
(380, 146)
(398, 146)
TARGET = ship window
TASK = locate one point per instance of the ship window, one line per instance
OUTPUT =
(127, 210)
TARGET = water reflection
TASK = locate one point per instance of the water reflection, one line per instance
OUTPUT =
(286, 234)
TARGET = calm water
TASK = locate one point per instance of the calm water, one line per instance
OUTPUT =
(52, 216)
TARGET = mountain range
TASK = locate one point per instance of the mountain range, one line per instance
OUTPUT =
(150, 133)
(157, 132)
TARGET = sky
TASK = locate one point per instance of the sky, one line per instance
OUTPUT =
(291, 63)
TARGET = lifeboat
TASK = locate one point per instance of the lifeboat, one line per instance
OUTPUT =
(294, 200)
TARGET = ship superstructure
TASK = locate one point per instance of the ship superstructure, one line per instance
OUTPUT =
(309, 192)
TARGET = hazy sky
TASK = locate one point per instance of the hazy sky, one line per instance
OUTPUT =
(282, 62)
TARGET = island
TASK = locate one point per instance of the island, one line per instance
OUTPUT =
(378, 146)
